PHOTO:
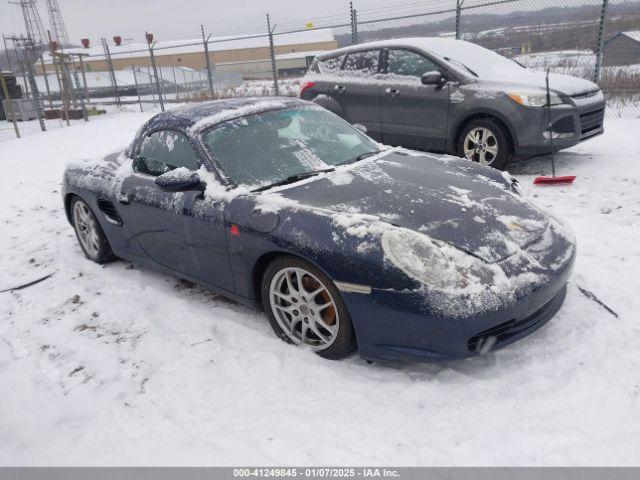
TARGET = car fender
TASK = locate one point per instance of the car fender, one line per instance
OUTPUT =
(461, 118)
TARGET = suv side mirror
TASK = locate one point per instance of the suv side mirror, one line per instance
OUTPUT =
(360, 127)
(433, 78)
(179, 180)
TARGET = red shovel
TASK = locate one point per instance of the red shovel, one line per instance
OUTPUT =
(552, 180)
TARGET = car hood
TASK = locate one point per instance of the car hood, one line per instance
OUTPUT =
(532, 79)
(469, 206)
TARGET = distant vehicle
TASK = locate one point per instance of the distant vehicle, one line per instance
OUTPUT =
(446, 95)
(281, 205)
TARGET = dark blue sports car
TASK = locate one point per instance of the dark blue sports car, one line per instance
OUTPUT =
(345, 244)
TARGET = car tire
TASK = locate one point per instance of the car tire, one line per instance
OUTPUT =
(89, 233)
(493, 148)
(321, 323)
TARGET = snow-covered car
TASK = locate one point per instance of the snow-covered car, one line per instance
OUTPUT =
(345, 243)
(445, 95)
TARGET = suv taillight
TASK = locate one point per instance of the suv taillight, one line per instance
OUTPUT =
(305, 87)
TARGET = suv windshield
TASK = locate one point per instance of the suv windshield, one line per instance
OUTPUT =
(269, 147)
(478, 60)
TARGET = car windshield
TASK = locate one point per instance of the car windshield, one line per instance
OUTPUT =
(270, 147)
(482, 62)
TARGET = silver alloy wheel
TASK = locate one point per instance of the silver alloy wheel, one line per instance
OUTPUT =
(481, 145)
(304, 308)
(85, 225)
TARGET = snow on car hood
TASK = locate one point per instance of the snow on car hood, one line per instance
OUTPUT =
(532, 79)
(449, 199)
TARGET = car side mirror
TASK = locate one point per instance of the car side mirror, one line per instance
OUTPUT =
(179, 180)
(433, 78)
(360, 127)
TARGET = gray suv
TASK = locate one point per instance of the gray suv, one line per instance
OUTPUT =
(446, 95)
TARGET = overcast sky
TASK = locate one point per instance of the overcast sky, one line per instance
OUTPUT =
(171, 19)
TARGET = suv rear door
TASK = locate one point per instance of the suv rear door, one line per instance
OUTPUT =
(357, 90)
(412, 115)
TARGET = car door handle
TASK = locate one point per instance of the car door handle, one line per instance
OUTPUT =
(394, 92)
(340, 88)
(124, 198)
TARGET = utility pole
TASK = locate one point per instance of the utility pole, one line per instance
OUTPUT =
(56, 21)
(32, 22)
(207, 61)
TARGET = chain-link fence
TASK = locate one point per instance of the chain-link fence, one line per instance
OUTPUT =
(593, 39)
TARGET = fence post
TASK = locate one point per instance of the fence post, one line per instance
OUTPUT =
(151, 89)
(79, 88)
(458, 15)
(600, 47)
(155, 73)
(207, 60)
(84, 80)
(272, 51)
(46, 80)
(354, 24)
(64, 111)
(135, 81)
(112, 74)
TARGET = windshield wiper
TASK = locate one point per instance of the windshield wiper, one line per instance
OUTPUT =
(462, 65)
(293, 178)
(362, 156)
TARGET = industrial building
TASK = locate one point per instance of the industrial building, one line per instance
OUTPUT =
(622, 49)
(248, 56)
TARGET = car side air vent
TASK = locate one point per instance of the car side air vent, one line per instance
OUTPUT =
(110, 212)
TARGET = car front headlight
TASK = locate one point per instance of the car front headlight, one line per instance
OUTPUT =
(534, 98)
(438, 265)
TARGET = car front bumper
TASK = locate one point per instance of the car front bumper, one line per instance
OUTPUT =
(393, 325)
(571, 124)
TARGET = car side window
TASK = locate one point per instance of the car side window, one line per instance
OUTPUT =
(330, 64)
(409, 64)
(365, 62)
(165, 150)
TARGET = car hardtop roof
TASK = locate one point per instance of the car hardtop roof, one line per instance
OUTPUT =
(435, 45)
(200, 115)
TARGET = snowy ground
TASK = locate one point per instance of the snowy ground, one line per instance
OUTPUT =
(116, 366)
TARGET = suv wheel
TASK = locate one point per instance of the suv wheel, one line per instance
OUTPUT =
(483, 141)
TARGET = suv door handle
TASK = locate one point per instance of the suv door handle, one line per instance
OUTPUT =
(123, 198)
(340, 88)
(394, 92)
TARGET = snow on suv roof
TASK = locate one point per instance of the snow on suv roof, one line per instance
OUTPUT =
(486, 63)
